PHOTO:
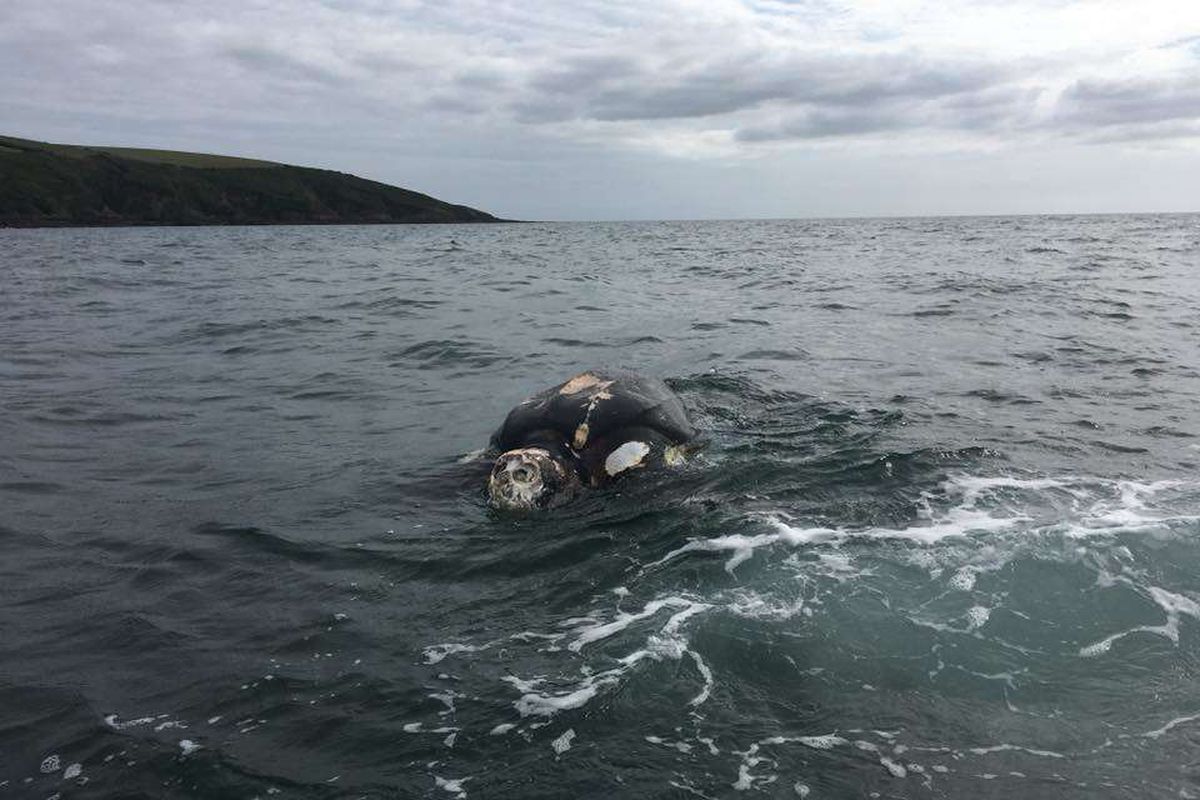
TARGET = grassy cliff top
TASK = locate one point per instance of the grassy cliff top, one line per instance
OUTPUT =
(178, 158)
(65, 184)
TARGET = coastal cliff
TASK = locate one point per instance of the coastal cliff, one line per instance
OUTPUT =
(44, 184)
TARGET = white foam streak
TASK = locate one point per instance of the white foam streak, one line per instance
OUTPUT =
(665, 643)
(1000, 748)
(1157, 732)
(825, 741)
(1129, 511)
(419, 727)
(746, 780)
(743, 546)
(114, 722)
(963, 506)
(750, 758)
(980, 508)
(964, 579)
(437, 652)
(547, 705)
(977, 617)
(453, 786)
(961, 523)
(709, 683)
(973, 487)
(595, 633)
(1173, 605)
(682, 747)
(563, 743)
(751, 604)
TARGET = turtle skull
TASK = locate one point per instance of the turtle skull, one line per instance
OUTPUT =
(530, 477)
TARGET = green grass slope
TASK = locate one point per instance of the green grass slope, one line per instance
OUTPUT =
(45, 184)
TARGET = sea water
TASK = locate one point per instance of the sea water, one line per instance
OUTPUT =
(943, 539)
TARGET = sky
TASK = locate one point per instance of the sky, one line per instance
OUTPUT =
(680, 109)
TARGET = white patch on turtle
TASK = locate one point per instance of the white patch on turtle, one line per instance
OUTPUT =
(581, 435)
(627, 456)
(675, 455)
(584, 380)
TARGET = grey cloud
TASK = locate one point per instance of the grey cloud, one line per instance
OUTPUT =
(541, 110)
(1161, 132)
(801, 96)
(497, 87)
(654, 69)
(454, 104)
(477, 79)
(625, 90)
(1136, 110)
(1090, 104)
(1001, 109)
(377, 63)
(821, 124)
(1189, 42)
(701, 96)
(578, 72)
(281, 63)
(991, 110)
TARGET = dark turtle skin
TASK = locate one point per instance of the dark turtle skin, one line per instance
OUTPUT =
(587, 431)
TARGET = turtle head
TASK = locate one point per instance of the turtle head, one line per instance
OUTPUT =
(529, 478)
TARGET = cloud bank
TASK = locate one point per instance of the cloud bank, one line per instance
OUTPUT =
(701, 80)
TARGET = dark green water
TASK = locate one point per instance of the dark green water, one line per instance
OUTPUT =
(944, 541)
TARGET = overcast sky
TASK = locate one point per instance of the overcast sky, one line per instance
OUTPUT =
(614, 110)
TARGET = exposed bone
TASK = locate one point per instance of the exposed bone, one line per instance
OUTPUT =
(627, 456)
(580, 382)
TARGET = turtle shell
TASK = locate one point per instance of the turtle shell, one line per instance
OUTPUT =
(593, 404)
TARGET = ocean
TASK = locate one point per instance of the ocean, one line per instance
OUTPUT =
(943, 539)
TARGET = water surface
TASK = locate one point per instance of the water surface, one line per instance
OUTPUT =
(943, 542)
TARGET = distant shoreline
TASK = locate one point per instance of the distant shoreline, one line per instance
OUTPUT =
(44, 185)
(270, 224)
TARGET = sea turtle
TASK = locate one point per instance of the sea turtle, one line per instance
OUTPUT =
(587, 431)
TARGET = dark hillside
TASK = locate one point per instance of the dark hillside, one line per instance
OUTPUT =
(43, 184)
